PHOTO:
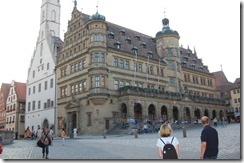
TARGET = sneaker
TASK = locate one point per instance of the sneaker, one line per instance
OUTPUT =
(43, 155)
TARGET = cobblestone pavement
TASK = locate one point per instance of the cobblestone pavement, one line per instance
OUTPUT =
(127, 146)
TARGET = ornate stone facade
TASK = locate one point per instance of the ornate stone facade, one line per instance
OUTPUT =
(108, 74)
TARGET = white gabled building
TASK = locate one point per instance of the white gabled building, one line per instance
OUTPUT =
(41, 80)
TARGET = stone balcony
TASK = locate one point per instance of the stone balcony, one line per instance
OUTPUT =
(98, 96)
(155, 93)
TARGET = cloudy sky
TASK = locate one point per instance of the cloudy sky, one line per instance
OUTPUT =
(212, 26)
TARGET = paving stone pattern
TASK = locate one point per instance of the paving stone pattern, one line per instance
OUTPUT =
(126, 147)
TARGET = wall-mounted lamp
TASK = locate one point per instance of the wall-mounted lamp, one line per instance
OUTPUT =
(97, 111)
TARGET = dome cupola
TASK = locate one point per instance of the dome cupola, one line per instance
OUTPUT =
(166, 29)
(97, 17)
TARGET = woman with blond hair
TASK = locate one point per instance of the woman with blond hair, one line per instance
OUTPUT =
(166, 137)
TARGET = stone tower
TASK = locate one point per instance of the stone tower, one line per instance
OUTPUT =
(167, 45)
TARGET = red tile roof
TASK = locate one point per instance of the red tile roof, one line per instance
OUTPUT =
(4, 91)
(20, 89)
(237, 81)
(148, 41)
(220, 79)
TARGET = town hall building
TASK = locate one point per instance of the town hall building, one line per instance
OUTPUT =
(108, 74)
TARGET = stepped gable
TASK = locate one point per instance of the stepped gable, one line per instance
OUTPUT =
(20, 91)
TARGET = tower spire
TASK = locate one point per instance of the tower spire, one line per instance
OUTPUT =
(165, 12)
(75, 3)
(97, 5)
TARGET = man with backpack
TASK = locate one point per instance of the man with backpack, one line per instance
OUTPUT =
(168, 146)
(46, 140)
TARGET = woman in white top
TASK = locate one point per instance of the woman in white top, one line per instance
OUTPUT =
(165, 134)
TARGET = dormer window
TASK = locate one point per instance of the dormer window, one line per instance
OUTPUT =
(188, 53)
(153, 40)
(135, 50)
(200, 68)
(111, 35)
(122, 32)
(117, 45)
(137, 37)
(150, 54)
(186, 58)
(183, 63)
(143, 44)
(193, 66)
(128, 40)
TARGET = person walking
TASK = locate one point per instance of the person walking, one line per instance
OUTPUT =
(166, 137)
(51, 132)
(215, 121)
(27, 133)
(46, 140)
(63, 135)
(39, 133)
(209, 140)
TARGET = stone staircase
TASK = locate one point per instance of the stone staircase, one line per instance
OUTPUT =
(118, 130)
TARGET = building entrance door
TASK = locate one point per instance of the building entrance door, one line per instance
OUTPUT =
(107, 124)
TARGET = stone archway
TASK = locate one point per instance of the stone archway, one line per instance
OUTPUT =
(187, 115)
(206, 113)
(74, 120)
(197, 113)
(164, 113)
(123, 112)
(221, 114)
(214, 114)
(45, 124)
(151, 112)
(137, 111)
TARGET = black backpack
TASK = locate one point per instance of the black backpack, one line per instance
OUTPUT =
(169, 151)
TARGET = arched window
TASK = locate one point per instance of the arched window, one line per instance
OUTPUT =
(53, 18)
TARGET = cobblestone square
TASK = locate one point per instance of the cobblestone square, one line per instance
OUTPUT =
(126, 147)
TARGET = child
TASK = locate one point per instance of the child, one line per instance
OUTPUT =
(63, 135)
